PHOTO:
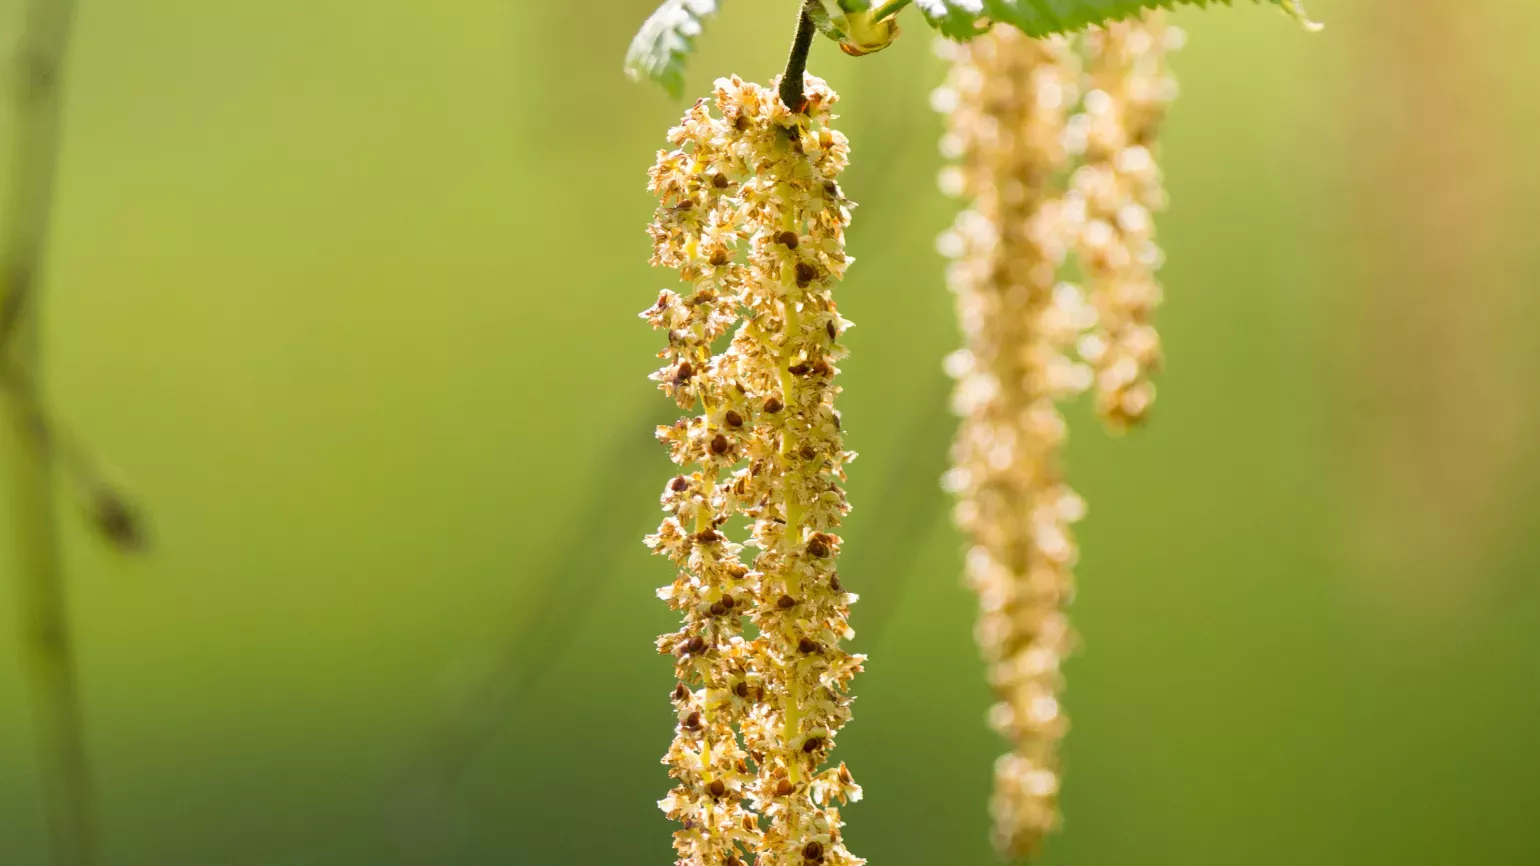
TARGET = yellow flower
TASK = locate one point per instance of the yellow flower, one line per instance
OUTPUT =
(751, 215)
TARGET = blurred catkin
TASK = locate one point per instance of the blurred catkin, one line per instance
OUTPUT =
(1115, 192)
(1007, 101)
(751, 216)
(1043, 182)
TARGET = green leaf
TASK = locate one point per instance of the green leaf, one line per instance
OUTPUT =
(958, 19)
(660, 48)
(963, 19)
(849, 6)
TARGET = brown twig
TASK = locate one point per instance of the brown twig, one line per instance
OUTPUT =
(796, 64)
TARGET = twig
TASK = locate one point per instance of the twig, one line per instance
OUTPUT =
(910, 506)
(796, 64)
(537, 645)
(28, 450)
(109, 510)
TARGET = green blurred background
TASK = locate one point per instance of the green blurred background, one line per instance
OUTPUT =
(347, 292)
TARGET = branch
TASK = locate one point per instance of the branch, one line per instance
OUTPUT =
(28, 454)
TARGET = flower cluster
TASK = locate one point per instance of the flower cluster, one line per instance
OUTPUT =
(751, 216)
(1044, 180)
(1116, 190)
(1007, 100)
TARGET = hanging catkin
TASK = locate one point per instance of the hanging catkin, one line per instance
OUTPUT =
(1115, 192)
(752, 217)
(1007, 102)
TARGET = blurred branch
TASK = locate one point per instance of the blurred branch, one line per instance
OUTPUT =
(28, 450)
(107, 508)
(909, 503)
(626, 476)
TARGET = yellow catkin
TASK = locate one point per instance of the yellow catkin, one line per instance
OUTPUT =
(1007, 101)
(1115, 192)
(752, 217)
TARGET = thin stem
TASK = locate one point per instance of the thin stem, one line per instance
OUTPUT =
(26, 449)
(888, 9)
(111, 512)
(796, 64)
(538, 642)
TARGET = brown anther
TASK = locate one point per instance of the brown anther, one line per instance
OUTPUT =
(683, 373)
(719, 257)
(741, 123)
(695, 645)
(687, 204)
(845, 774)
(680, 484)
(732, 861)
(717, 788)
(717, 608)
(834, 582)
(741, 689)
(692, 723)
(784, 788)
(807, 646)
(831, 189)
(680, 692)
(719, 181)
(813, 851)
(830, 329)
(728, 601)
(817, 548)
(821, 368)
(719, 445)
(808, 453)
(787, 239)
(733, 419)
(707, 536)
(813, 744)
(806, 273)
(772, 406)
(798, 369)
(785, 602)
(737, 572)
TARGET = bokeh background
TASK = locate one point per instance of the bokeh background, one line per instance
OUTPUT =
(346, 292)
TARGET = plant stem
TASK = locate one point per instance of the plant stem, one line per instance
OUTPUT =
(796, 64)
(26, 448)
(888, 9)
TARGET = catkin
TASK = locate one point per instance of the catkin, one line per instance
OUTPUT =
(1007, 101)
(1116, 191)
(751, 215)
